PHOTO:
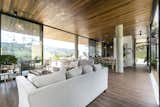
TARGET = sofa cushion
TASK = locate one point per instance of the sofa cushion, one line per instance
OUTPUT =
(97, 67)
(44, 80)
(74, 72)
(87, 69)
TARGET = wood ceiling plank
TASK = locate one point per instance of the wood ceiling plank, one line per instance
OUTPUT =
(6, 5)
(89, 18)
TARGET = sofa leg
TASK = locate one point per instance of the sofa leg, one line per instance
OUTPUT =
(104, 91)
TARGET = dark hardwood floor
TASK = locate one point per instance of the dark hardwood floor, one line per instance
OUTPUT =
(8, 94)
(131, 89)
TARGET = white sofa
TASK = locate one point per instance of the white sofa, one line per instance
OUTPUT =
(74, 92)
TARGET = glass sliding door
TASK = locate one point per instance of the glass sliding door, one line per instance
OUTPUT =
(21, 39)
(98, 49)
(141, 50)
(92, 48)
(155, 46)
(83, 48)
(58, 45)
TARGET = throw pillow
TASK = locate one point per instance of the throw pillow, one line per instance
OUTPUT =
(45, 72)
(87, 69)
(97, 67)
(74, 72)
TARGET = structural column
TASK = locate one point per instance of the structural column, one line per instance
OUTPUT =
(119, 48)
(76, 46)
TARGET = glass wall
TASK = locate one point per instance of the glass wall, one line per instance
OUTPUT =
(98, 49)
(23, 39)
(92, 48)
(83, 48)
(155, 46)
(141, 50)
(58, 45)
(20, 38)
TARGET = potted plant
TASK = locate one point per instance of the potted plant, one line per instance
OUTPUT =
(8, 60)
(154, 63)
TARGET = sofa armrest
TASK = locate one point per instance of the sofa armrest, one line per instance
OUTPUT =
(25, 88)
(105, 69)
(25, 84)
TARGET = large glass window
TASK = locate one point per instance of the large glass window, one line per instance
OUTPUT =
(83, 49)
(98, 49)
(58, 45)
(20, 38)
(141, 49)
(92, 48)
(155, 46)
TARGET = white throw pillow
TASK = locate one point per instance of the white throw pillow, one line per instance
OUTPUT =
(44, 80)
(87, 69)
(74, 72)
(97, 67)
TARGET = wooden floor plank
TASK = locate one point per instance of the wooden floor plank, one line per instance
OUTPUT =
(130, 89)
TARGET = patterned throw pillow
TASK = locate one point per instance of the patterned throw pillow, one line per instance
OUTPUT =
(97, 67)
(74, 72)
(87, 69)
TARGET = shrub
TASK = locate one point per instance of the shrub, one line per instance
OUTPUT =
(7, 59)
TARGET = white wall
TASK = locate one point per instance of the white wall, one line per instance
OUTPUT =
(128, 42)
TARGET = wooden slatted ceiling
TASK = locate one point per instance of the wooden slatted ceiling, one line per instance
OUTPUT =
(57, 35)
(91, 18)
(62, 36)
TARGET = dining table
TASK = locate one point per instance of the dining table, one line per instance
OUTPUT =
(110, 61)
